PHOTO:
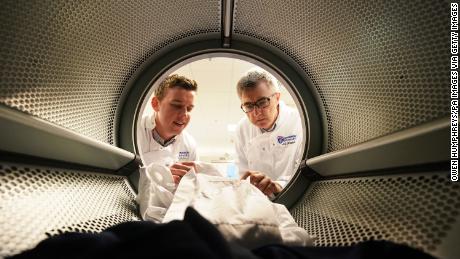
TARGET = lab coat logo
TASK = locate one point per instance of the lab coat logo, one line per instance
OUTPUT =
(287, 140)
(184, 155)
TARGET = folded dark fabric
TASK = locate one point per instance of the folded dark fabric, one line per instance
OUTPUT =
(194, 237)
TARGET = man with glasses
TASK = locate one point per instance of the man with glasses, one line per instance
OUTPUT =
(268, 139)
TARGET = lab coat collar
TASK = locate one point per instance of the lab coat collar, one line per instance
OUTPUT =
(271, 129)
(150, 125)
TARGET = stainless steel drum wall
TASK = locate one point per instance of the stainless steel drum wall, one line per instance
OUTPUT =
(37, 202)
(379, 66)
(418, 210)
(68, 61)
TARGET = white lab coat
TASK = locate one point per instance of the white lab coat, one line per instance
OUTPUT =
(183, 149)
(277, 154)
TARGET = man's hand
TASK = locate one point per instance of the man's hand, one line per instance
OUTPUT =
(180, 169)
(263, 182)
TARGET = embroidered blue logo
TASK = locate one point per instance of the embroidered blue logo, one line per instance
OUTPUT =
(287, 140)
(184, 155)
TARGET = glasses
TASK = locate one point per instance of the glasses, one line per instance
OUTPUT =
(261, 103)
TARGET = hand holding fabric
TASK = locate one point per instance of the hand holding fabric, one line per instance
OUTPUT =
(179, 169)
(263, 182)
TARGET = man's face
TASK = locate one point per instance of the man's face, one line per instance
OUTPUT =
(173, 112)
(261, 117)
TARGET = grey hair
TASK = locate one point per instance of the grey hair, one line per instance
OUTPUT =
(251, 78)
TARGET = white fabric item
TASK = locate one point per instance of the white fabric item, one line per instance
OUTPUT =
(183, 149)
(157, 187)
(156, 192)
(238, 209)
(277, 154)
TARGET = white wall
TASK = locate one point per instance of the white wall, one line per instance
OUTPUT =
(217, 106)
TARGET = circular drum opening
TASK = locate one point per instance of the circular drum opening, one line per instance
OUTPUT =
(217, 108)
(217, 116)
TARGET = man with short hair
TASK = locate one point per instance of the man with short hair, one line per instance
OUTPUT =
(268, 139)
(161, 136)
